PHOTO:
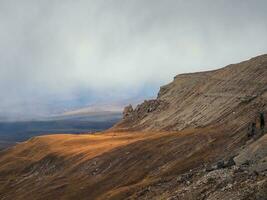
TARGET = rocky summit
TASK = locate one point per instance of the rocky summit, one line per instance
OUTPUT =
(203, 137)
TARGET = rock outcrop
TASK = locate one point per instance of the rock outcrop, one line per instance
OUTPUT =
(127, 111)
(204, 98)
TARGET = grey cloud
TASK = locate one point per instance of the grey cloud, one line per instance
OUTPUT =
(50, 49)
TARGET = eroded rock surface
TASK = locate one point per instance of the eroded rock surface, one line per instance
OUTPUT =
(235, 94)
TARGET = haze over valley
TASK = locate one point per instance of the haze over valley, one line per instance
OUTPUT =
(62, 56)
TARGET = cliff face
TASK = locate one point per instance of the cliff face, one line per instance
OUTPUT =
(234, 94)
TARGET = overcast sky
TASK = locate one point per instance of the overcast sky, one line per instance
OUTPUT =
(75, 52)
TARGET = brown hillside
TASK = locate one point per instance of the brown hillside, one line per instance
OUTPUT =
(190, 143)
(104, 166)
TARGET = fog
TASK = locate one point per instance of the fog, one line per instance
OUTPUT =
(62, 54)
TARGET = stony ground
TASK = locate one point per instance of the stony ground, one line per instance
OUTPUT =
(235, 183)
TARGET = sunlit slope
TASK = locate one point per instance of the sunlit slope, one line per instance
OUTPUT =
(111, 165)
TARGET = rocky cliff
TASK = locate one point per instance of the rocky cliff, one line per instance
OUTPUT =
(234, 94)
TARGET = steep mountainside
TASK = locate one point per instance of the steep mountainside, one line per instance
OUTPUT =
(204, 137)
(232, 94)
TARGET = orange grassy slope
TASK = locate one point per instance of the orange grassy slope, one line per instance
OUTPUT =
(103, 166)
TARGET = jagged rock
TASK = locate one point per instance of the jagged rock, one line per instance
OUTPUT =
(132, 116)
(148, 106)
(128, 110)
(230, 162)
(220, 164)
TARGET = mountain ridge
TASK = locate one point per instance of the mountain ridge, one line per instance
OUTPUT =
(202, 91)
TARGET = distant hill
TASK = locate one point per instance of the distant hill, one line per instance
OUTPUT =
(12, 132)
(94, 110)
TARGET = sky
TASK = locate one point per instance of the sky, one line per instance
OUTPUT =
(64, 54)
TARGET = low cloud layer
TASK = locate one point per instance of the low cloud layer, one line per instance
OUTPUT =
(72, 53)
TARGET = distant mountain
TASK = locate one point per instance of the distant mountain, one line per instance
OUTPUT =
(94, 110)
(112, 110)
(102, 108)
(64, 108)
(87, 120)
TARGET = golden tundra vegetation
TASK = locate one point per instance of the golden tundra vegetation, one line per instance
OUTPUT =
(203, 137)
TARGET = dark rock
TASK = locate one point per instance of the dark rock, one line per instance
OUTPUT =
(238, 170)
(262, 121)
(230, 162)
(210, 168)
(220, 164)
(246, 163)
(251, 130)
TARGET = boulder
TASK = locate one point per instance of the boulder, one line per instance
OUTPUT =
(255, 154)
